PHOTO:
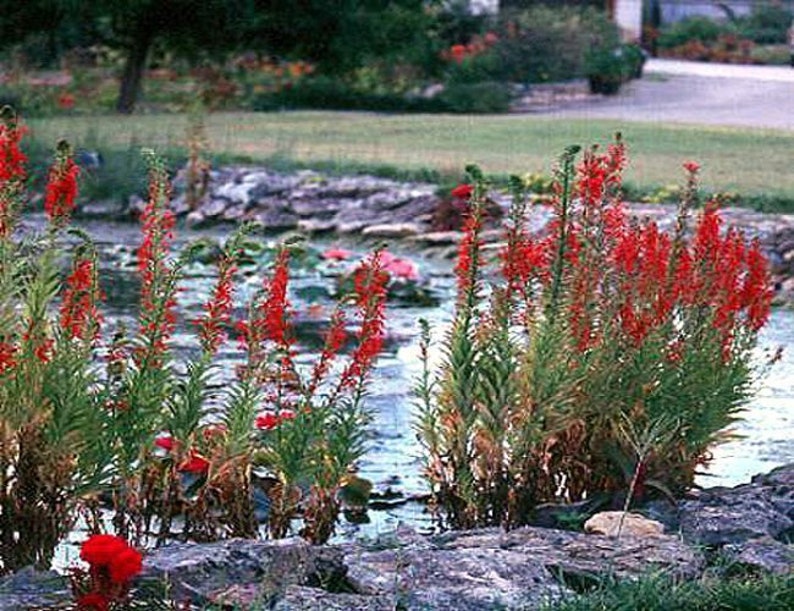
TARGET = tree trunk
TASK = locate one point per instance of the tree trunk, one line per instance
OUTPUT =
(133, 73)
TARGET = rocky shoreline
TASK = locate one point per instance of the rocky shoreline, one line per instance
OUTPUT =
(383, 209)
(750, 526)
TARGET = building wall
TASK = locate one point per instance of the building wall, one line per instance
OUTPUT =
(628, 17)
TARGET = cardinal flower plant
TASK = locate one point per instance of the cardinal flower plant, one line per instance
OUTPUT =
(604, 356)
(89, 413)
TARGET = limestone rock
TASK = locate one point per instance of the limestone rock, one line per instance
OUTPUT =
(763, 553)
(439, 238)
(392, 230)
(732, 516)
(459, 580)
(300, 598)
(31, 589)
(613, 523)
(273, 220)
(213, 207)
(260, 569)
(581, 555)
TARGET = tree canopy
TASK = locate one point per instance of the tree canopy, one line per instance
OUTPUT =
(337, 35)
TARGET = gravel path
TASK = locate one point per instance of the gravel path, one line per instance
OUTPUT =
(708, 94)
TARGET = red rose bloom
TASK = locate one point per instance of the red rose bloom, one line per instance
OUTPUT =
(462, 191)
(100, 550)
(126, 565)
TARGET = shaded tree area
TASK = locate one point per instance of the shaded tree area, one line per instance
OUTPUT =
(338, 36)
(523, 4)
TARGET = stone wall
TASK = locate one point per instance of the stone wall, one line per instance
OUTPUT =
(750, 526)
(379, 208)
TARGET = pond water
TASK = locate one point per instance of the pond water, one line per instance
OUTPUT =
(392, 462)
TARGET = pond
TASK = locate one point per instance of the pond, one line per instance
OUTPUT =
(392, 462)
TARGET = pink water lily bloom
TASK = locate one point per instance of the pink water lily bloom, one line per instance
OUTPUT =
(337, 254)
(402, 268)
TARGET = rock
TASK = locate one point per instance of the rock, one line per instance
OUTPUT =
(136, 205)
(316, 226)
(763, 553)
(236, 193)
(235, 212)
(616, 523)
(387, 200)
(316, 208)
(29, 588)
(196, 219)
(299, 598)
(273, 220)
(733, 516)
(213, 208)
(106, 209)
(585, 556)
(439, 238)
(260, 569)
(392, 230)
(269, 184)
(459, 580)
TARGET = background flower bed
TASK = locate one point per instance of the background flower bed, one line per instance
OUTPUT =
(760, 37)
(413, 58)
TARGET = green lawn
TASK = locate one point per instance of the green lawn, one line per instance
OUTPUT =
(750, 162)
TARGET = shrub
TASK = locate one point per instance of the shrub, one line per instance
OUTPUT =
(482, 97)
(334, 94)
(701, 29)
(609, 356)
(767, 24)
(544, 44)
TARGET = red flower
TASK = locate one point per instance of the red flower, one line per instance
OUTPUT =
(462, 191)
(458, 52)
(59, 199)
(468, 256)
(756, 292)
(218, 308)
(275, 306)
(7, 353)
(692, 167)
(195, 463)
(334, 340)
(157, 314)
(267, 421)
(66, 100)
(12, 159)
(286, 414)
(12, 173)
(369, 287)
(79, 315)
(111, 558)
(43, 350)
(101, 550)
(165, 442)
(125, 565)
(270, 321)
(93, 601)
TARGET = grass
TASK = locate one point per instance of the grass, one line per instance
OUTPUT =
(657, 593)
(753, 163)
